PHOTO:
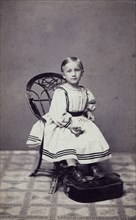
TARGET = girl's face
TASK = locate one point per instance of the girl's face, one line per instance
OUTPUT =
(72, 73)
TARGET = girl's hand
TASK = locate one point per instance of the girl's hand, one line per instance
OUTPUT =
(90, 116)
(77, 131)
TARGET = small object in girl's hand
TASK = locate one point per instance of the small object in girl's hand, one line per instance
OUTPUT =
(77, 131)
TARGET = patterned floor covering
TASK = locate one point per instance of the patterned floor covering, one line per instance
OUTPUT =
(24, 197)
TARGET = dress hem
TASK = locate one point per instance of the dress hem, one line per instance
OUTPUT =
(89, 161)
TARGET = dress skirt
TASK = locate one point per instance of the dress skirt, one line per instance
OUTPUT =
(60, 144)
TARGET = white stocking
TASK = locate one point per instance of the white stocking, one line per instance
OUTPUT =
(71, 162)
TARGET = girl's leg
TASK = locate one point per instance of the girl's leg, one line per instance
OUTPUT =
(71, 162)
(75, 172)
(95, 170)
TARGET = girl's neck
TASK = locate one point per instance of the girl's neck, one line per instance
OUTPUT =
(72, 86)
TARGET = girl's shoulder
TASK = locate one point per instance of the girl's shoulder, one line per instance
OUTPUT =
(61, 87)
(88, 91)
(60, 90)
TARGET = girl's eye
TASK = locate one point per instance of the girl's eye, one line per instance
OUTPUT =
(77, 70)
(68, 71)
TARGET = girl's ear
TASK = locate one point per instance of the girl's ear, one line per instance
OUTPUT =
(63, 75)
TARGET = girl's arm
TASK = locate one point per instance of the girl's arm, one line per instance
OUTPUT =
(58, 109)
(91, 105)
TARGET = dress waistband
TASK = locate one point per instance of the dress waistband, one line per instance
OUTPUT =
(74, 114)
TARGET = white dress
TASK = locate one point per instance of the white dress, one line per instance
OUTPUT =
(59, 142)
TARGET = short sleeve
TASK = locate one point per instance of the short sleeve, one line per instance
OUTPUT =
(91, 103)
(58, 109)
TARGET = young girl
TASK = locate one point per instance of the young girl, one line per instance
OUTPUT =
(69, 132)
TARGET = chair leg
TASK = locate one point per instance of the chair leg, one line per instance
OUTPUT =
(34, 173)
(55, 179)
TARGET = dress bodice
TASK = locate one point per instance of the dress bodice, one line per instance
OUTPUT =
(76, 98)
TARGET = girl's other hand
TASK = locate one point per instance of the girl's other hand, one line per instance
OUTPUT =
(90, 116)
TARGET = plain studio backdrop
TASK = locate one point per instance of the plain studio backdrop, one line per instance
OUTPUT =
(36, 35)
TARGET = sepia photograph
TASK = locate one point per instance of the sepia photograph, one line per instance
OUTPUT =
(68, 127)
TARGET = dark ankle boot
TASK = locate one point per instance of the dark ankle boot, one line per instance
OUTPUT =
(77, 174)
(95, 171)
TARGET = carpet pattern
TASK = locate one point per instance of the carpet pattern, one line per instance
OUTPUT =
(24, 197)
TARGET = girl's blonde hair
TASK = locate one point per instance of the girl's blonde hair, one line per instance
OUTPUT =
(69, 59)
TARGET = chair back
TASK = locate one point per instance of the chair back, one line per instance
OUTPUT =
(39, 92)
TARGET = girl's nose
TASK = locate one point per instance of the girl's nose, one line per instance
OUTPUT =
(73, 73)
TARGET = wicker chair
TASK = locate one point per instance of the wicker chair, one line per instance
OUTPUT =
(39, 92)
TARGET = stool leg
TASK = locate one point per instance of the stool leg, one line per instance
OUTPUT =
(55, 179)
